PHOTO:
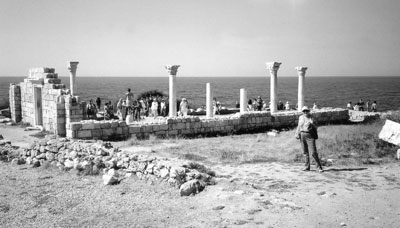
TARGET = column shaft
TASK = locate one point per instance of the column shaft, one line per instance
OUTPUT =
(243, 100)
(273, 71)
(172, 96)
(172, 70)
(300, 95)
(273, 85)
(72, 75)
(209, 98)
(301, 71)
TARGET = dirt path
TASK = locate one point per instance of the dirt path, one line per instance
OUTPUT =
(256, 195)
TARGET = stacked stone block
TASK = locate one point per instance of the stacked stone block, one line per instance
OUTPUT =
(27, 101)
(53, 108)
(75, 111)
(192, 126)
(52, 103)
(15, 102)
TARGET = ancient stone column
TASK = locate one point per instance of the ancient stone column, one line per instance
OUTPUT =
(72, 75)
(209, 101)
(273, 70)
(243, 100)
(172, 70)
(301, 71)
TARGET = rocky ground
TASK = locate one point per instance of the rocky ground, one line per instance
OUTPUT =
(265, 194)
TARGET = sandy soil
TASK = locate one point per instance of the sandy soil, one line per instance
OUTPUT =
(246, 195)
(17, 135)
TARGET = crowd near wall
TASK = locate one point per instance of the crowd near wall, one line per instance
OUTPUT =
(41, 100)
(192, 125)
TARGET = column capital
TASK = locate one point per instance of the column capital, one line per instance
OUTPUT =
(301, 69)
(72, 66)
(273, 66)
(172, 69)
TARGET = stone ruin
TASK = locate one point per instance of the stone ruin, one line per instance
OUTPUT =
(41, 100)
(89, 157)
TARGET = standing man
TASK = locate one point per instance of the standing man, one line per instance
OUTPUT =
(307, 133)
(259, 103)
(129, 100)
(361, 105)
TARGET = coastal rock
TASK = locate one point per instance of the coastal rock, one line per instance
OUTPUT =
(390, 132)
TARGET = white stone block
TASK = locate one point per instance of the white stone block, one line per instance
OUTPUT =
(390, 132)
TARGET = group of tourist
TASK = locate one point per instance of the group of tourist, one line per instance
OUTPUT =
(258, 104)
(363, 106)
(130, 109)
(135, 109)
(93, 109)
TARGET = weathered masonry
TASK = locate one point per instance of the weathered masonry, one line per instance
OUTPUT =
(192, 126)
(41, 100)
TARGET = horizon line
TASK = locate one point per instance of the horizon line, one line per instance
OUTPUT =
(253, 76)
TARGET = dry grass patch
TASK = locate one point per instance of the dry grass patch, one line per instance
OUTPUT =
(342, 144)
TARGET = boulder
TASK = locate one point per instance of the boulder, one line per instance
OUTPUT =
(164, 172)
(4, 142)
(73, 154)
(41, 156)
(35, 163)
(28, 160)
(191, 187)
(179, 172)
(68, 164)
(110, 178)
(17, 161)
(390, 132)
(50, 156)
(398, 154)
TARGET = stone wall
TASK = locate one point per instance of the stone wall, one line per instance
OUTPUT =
(75, 110)
(192, 126)
(42, 100)
(15, 103)
(363, 116)
(47, 83)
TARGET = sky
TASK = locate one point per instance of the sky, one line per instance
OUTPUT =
(205, 37)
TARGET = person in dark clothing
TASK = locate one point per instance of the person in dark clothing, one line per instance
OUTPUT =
(307, 133)
(259, 103)
(98, 103)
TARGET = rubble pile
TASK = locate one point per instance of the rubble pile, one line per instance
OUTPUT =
(90, 157)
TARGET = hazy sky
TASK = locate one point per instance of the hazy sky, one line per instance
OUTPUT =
(205, 37)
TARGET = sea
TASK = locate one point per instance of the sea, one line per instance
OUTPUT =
(324, 91)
